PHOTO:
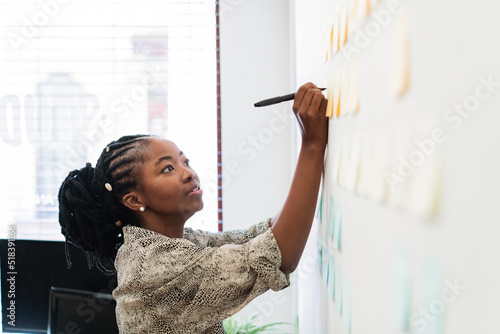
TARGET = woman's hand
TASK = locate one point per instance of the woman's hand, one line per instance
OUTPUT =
(309, 107)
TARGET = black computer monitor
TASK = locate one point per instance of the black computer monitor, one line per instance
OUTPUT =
(78, 311)
(40, 265)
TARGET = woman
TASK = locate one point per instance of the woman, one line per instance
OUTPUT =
(128, 213)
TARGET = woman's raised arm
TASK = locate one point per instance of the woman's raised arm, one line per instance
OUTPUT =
(292, 225)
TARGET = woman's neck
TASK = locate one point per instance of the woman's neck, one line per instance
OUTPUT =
(172, 227)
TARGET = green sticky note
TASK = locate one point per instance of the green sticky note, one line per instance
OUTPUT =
(320, 257)
(319, 212)
(400, 301)
(346, 306)
(337, 234)
(331, 278)
(320, 261)
(430, 317)
(331, 217)
(324, 258)
(338, 290)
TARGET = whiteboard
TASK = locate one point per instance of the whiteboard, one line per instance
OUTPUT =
(418, 248)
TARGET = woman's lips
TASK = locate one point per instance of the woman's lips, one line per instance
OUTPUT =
(196, 190)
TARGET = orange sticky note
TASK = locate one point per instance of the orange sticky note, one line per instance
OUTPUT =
(336, 93)
(329, 107)
(338, 103)
(331, 37)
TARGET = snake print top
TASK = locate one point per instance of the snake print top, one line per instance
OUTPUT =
(191, 284)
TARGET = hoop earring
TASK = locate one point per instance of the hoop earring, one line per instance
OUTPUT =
(141, 209)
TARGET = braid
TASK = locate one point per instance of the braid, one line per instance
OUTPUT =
(90, 203)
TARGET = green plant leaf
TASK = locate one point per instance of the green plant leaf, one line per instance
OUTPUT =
(232, 326)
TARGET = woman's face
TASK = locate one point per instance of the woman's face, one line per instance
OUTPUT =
(168, 185)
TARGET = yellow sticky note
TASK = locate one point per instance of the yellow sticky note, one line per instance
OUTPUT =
(399, 185)
(338, 92)
(377, 185)
(344, 88)
(329, 91)
(345, 161)
(335, 32)
(364, 8)
(325, 49)
(353, 15)
(350, 87)
(365, 170)
(351, 177)
(342, 26)
(334, 156)
(426, 184)
(353, 100)
(400, 79)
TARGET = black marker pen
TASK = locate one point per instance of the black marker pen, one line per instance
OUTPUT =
(277, 99)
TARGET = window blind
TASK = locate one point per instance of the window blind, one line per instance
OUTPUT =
(219, 121)
(75, 75)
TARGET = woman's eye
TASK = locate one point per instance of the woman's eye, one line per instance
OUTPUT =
(168, 168)
(187, 162)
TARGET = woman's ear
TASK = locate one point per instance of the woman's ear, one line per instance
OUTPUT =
(132, 201)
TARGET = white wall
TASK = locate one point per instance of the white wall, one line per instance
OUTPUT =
(256, 143)
(452, 45)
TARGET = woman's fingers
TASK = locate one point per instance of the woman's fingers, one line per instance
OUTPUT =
(324, 104)
(317, 100)
(310, 109)
(301, 93)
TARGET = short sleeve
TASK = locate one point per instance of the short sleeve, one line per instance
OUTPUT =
(265, 259)
(190, 288)
(210, 239)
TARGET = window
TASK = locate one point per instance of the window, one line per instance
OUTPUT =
(75, 75)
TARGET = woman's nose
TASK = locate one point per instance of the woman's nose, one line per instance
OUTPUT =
(188, 175)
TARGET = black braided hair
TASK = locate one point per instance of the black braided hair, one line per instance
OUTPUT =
(90, 201)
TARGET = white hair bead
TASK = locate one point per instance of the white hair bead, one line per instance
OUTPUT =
(108, 186)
